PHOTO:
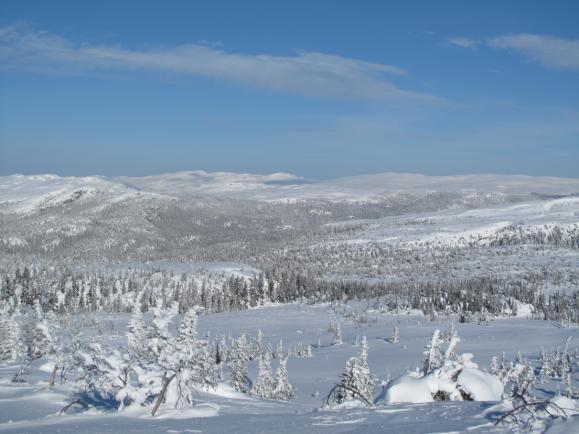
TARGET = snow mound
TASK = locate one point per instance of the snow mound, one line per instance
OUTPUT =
(456, 380)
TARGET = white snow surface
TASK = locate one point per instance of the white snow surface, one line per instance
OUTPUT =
(32, 407)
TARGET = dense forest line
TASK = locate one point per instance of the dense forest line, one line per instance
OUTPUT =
(68, 291)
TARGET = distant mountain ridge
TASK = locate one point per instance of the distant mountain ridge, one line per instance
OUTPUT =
(27, 193)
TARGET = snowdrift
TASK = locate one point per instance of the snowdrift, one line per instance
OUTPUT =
(456, 380)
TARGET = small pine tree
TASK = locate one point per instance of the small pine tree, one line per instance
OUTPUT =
(279, 350)
(282, 390)
(450, 352)
(523, 380)
(568, 385)
(10, 345)
(546, 367)
(303, 351)
(257, 346)
(158, 335)
(494, 367)
(337, 340)
(395, 338)
(137, 334)
(356, 377)
(432, 359)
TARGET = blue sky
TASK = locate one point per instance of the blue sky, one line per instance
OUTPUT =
(321, 89)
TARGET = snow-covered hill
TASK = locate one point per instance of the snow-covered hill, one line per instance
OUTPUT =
(25, 194)
(22, 193)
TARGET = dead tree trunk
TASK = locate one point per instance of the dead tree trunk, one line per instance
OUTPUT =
(53, 375)
(161, 397)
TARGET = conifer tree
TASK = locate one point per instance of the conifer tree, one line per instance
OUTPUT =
(263, 385)
(237, 360)
(282, 390)
(432, 358)
(337, 340)
(395, 338)
(356, 377)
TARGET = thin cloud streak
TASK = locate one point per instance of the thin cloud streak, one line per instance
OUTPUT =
(553, 52)
(461, 41)
(306, 73)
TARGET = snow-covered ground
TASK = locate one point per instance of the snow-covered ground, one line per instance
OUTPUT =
(229, 241)
(453, 228)
(32, 406)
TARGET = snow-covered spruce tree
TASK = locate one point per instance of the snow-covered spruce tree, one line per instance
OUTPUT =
(522, 380)
(303, 351)
(237, 359)
(11, 348)
(337, 338)
(158, 334)
(546, 367)
(160, 354)
(395, 338)
(217, 353)
(66, 351)
(34, 332)
(450, 352)
(53, 349)
(282, 390)
(332, 326)
(137, 335)
(562, 360)
(186, 361)
(494, 366)
(568, 386)
(191, 360)
(432, 358)
(279, 354)
(263, 385)
(257, 346)
(356, 378)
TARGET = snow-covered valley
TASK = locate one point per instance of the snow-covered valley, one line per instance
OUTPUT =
(227, 302)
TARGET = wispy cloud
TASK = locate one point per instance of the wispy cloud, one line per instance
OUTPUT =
(550, 51)
(461, 41)
(307, 73)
